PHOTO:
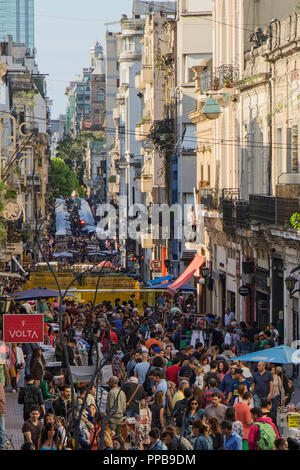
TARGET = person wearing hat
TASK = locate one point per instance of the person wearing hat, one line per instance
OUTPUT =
(238, 380)
(134, 393)
(115, 406)
(30, 396)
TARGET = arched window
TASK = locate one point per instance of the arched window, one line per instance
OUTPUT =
(101, 94)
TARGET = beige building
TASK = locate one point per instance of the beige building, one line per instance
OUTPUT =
(158, 48)
(234, 160)
(24, 124)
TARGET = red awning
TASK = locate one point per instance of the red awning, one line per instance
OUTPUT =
(197, 262)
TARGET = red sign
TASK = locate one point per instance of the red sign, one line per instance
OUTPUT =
(23, 328)
(156, 265)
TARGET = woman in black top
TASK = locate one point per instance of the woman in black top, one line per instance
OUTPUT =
(266, 406)
(215, 433)
(158, 411)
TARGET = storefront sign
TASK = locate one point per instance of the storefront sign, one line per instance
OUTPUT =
(293, 420)
(244, 290)
(23, 328)
(156, 265)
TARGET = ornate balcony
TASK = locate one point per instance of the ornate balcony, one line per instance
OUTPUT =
(210, 198)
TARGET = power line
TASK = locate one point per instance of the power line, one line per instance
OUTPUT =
(209, 141)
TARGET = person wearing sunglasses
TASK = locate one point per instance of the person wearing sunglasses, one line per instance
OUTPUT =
(193, 412)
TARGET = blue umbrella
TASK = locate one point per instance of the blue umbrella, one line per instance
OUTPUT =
(278, 355)
(36, 293)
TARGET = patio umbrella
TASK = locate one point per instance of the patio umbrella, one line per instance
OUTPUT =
(35, 294)
(278, 355)
(105, 264)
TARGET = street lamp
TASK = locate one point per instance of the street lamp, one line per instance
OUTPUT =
(205, 272)
(290, 283)
(211, 109)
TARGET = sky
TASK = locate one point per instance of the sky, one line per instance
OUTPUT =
(65, 30)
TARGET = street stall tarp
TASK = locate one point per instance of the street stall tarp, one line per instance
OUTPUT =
(62, 219)
(82, 373)
(62, 254)
(277, 355)
(165, 286)
(159, 280)
(85, 214)
(196, 264)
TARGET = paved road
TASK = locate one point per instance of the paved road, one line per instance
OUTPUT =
(13, 419)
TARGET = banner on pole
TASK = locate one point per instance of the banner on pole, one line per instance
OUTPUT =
(23, 328)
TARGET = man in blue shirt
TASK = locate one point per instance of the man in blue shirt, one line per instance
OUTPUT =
(160, 383)
(226, 383)
(263, 383)
(141, 369)
(244, 346)
(232, 440)
(238, 380)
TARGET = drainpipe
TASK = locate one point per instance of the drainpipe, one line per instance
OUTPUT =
(270, 160)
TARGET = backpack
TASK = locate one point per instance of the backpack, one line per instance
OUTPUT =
(30, 399)
(147, 385)
(179, 411)
(183, 444)
(267, 436)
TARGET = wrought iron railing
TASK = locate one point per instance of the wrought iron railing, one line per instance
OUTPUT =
(210, 198)
(213, 79)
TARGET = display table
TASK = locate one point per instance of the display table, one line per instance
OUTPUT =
(289, 423)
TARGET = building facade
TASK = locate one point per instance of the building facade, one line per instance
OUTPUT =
(17, 20)
(24, 150)
(240, 175)
(86, 96)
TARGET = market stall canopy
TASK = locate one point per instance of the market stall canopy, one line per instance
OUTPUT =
(277, 355)
(165, 286)
(62, 254)
(196, 264)
(106, 264)
(36, 293)
(159, 280)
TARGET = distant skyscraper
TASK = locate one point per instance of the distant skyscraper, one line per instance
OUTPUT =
(17, 20)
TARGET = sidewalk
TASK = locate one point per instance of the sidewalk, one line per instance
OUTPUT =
(13, 419)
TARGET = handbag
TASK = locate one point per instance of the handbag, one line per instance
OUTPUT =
(132, 397)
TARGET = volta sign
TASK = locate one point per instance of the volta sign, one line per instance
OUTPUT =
(23, 328)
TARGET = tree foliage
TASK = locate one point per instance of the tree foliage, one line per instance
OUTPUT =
(62, 179)
(295, 220)
(72, 150)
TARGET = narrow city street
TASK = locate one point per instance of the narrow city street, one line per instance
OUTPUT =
(150, 227)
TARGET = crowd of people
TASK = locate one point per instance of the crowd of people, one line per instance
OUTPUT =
(163, 394)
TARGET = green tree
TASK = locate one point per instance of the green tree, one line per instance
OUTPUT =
(62, 179)
(295, 220)
(72, 150)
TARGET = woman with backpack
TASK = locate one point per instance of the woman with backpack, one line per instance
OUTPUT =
(263, 432)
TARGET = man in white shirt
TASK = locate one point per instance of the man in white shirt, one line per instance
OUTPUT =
(27, 307)
(275, 333)
(229, 317)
